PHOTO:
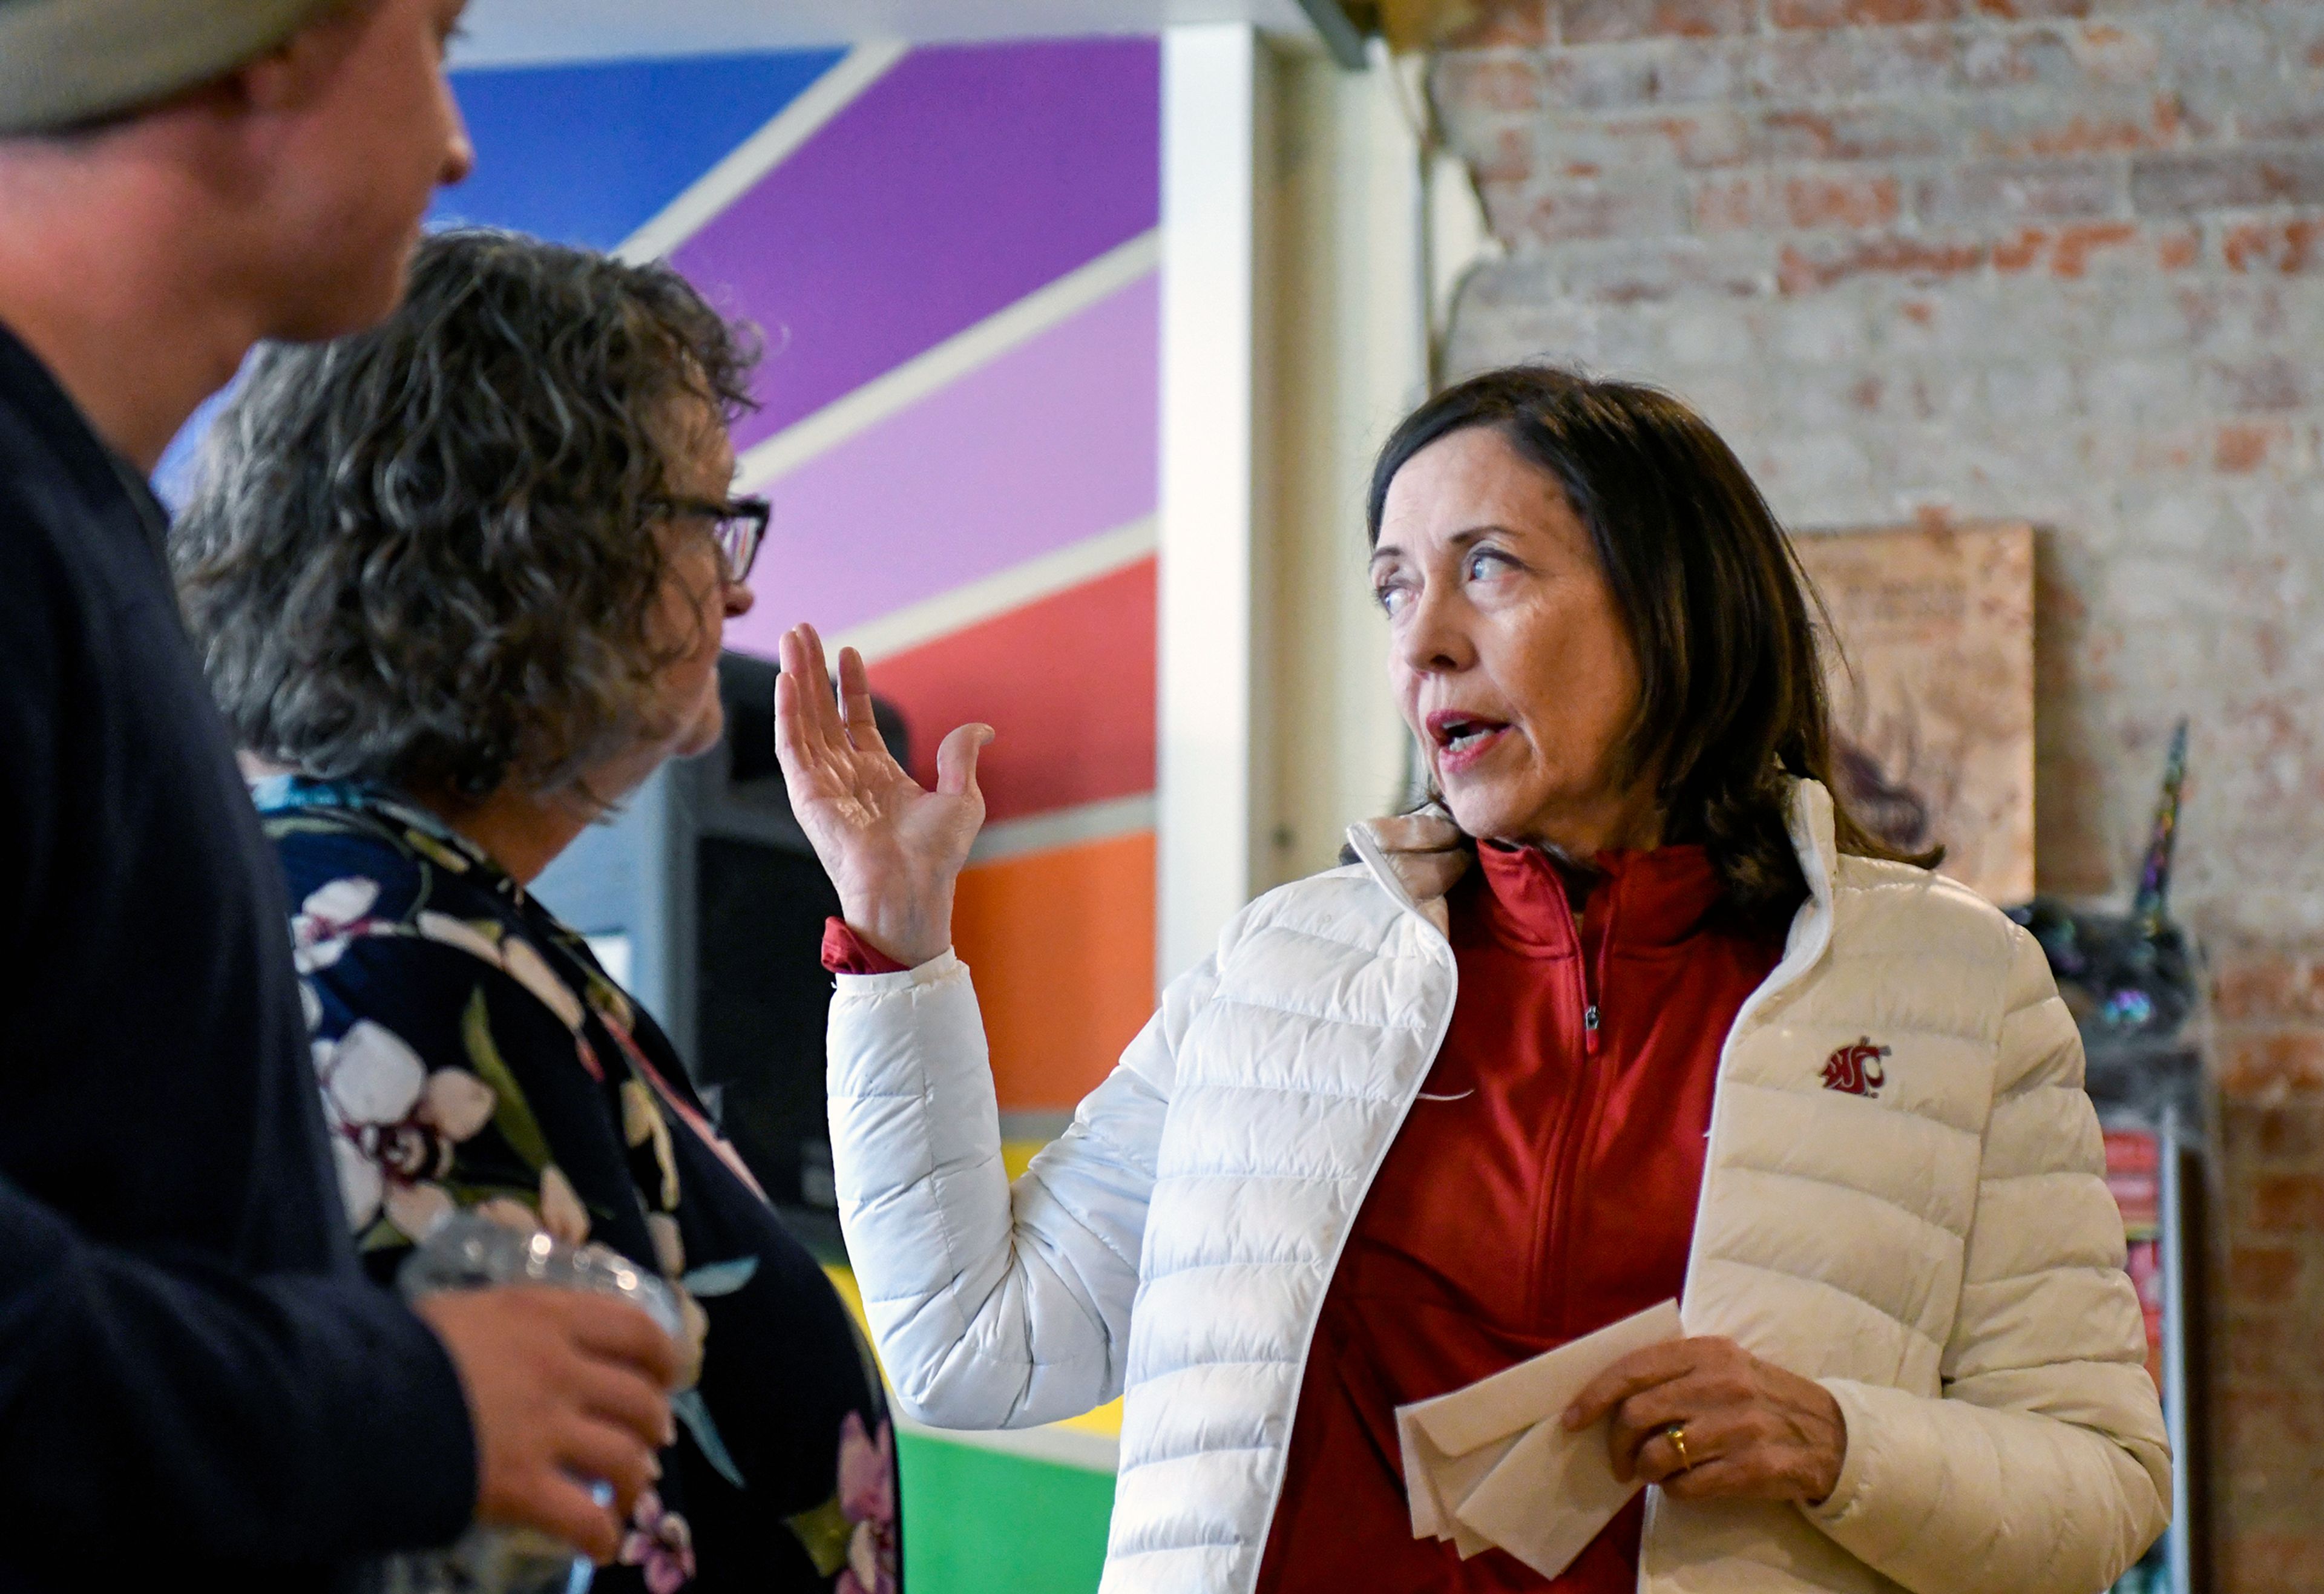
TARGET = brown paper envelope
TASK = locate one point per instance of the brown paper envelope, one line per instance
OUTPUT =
(1553, 1490)
(1456, 1477)
(1431, 1518)
(1497, 1414)
(1427, 1473)
(1539, 1389)
(1437, 1482)
(1550, 1496)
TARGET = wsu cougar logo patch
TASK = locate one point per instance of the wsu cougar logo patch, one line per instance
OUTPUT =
(1856, 1069)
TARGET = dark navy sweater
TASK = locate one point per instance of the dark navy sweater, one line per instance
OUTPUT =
(196, 1377)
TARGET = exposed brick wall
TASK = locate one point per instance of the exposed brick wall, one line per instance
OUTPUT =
(2056, 260)
(2267, 1479)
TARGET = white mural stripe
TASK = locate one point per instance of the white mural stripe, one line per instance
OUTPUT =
(1065, 827)
(733, 177)
(949, 361)
(998, 594)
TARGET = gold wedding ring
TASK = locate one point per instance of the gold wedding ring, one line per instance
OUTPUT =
(1676, 1434)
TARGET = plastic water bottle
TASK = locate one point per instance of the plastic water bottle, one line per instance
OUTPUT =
(470, 1253)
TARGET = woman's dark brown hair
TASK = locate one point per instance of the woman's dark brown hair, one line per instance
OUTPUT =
(1731, 700)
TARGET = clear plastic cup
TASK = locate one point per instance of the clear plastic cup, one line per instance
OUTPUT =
(471, 1253)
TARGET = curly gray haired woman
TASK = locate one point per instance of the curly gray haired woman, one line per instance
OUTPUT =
(461, 583)
(466, 505)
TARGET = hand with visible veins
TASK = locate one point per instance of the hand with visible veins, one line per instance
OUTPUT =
(1751, 1430)
(893, 849)
(564, 1390)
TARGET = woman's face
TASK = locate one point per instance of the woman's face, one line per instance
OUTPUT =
(689, 617)
(1510, 659)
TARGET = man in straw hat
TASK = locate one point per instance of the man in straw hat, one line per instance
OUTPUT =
(194, 1376)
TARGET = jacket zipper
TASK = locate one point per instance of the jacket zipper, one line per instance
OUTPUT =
(1589, 1002)
(1569, 1139)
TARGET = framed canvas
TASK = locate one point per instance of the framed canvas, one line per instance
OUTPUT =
(1932, 690)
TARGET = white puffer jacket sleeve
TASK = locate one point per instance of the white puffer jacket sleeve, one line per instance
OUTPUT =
(2046, 1465)
(993, 1307)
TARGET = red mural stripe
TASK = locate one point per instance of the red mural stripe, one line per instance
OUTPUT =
(1067, 681)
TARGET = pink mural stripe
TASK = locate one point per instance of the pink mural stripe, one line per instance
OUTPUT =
(965, 179)
(1050, 444)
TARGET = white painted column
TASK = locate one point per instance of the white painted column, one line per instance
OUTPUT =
(1350, 342)
(1212, 807)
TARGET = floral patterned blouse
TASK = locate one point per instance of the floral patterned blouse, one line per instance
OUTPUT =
(472, 1054)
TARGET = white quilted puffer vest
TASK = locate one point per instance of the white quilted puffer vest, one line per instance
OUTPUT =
(1943, 1255)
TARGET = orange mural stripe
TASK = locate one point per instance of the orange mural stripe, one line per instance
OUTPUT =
(1062, 946)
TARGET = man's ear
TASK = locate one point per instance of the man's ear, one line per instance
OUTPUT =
(269, 83)
(293, 74)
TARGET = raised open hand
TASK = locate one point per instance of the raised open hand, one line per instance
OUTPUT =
(892, 847)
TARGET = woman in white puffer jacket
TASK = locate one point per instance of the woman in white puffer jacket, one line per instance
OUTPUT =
(1647, 1015)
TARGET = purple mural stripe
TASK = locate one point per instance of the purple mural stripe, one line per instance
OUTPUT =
(963, 180)
(1050, 444)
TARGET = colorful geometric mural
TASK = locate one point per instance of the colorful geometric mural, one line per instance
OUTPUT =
(959, 182)
(957, 276)
(1047, 446)
(952, 254)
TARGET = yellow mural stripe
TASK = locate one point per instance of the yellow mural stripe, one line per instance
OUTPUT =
(1105, 1421)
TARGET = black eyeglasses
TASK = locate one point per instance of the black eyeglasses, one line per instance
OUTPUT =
(737, 525)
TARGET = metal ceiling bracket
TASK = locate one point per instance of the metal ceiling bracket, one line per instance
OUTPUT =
(1341, 36)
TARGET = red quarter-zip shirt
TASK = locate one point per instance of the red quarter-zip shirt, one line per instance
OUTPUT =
(1543, 1185)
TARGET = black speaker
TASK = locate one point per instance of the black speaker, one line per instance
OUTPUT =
(758, 997)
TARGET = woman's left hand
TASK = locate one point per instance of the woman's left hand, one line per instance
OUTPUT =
(1746, 1429)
